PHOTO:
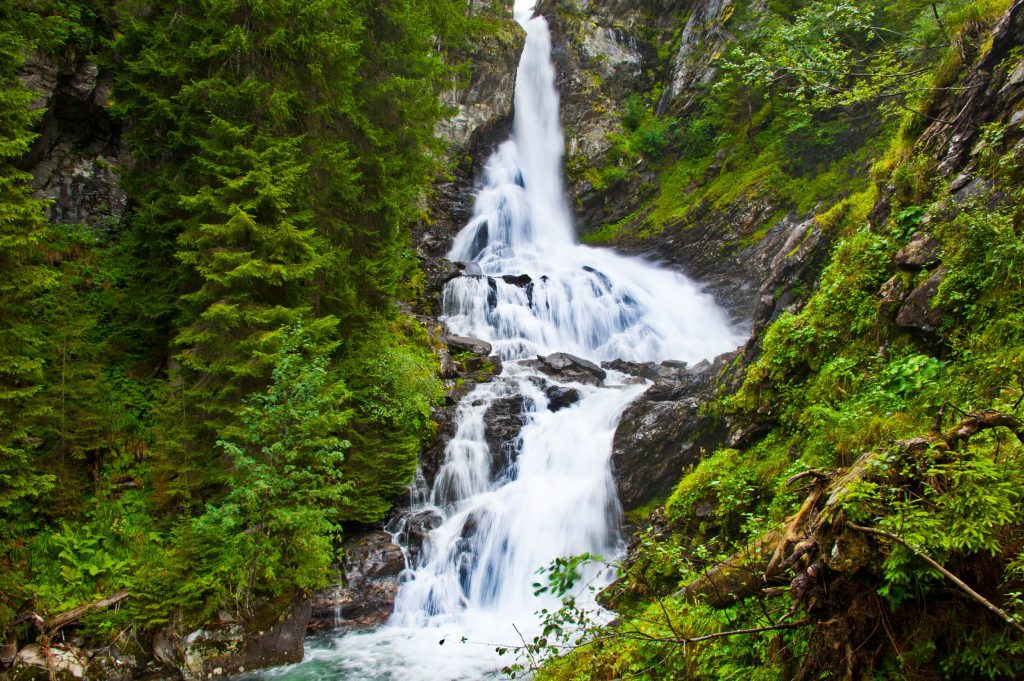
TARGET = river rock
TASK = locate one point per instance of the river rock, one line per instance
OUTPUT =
(570, 369)
(67, 663)
(648, 370)
(560, 397)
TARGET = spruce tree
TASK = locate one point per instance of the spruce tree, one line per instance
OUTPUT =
(22, 251)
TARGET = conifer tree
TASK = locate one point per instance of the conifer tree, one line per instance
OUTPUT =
(22, 231)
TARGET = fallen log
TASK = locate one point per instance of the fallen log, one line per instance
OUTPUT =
(65, 618)
(819, 525)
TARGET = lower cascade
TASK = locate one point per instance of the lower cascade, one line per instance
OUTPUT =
(529, 290)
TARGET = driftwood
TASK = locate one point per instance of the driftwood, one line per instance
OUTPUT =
(820, 523)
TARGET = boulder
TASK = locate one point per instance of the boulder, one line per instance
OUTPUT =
(654, 441)
(921, 252)
(917, 311)
(570, 369)
(675, 383)
(648, 370)
(474, 345)
(66, 662)
(273, 636)
(503, 420)
(560, 397)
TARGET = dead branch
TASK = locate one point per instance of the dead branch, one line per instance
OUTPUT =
(56, 622)
(989, 605)
(817, 475)
(975, 422)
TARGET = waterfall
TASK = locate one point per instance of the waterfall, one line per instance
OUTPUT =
(549, 493)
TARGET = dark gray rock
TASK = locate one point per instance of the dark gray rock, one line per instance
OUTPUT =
(503, 420)
(648, 370)
(560, 397)
(675, 383)
(473, 355)
(473, 345)
(520, 280)
(654, 442)
(412, 528)
(917, 312)
(569, 368)
(922, 252)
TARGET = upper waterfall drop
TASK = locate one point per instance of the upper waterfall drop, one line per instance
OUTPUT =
(563, 296)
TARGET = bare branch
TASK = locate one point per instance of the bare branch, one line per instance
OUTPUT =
(989, 605)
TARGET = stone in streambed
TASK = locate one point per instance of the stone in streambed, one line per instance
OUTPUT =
(569, 369)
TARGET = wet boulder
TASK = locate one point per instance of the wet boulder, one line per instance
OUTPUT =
(570, 369)
(503, 420)
(647, 370)
(560, 397)
(411, 530)
(653, 442)
(676, 382)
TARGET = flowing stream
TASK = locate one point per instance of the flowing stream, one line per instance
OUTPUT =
(529, 290)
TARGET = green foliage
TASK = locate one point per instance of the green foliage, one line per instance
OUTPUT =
(274, 531)
(194, 373)
(392, 376)
(22, 244)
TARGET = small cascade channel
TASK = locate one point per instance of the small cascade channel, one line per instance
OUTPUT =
(530, 290)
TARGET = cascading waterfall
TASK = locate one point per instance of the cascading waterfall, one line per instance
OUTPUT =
(529, 290)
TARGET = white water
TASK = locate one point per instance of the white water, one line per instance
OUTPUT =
(549, 493)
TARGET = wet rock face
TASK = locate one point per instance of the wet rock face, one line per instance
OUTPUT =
(482, 120)
(665, 430)
(503, 420)
(653, 442)
(371, 566)
(700, 43)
